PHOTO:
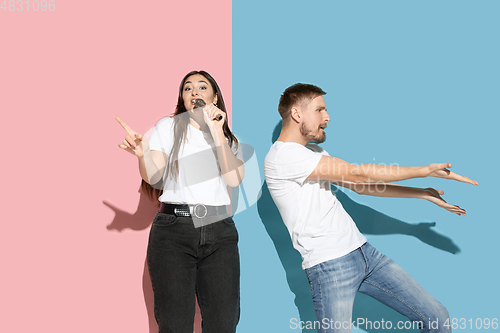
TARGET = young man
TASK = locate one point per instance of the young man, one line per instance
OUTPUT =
(336, 257)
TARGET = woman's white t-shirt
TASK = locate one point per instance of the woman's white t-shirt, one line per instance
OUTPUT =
(200, 180)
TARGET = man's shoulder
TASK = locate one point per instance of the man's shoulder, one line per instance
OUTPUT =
(271, 154)
(281, 149)
(291, 150)
(316, 148)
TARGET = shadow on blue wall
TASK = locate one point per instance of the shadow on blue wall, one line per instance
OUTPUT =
(369, 221)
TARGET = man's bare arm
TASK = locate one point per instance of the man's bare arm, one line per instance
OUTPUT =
(400, 191)
(335, 169)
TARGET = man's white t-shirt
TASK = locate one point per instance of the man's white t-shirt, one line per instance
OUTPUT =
(200, 179)
(320, 228)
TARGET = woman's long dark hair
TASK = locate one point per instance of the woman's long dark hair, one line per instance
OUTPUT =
(181, 121)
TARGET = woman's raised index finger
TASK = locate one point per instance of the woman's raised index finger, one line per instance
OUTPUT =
(124, 125)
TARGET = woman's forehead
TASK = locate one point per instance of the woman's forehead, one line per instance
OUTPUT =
(196, 78)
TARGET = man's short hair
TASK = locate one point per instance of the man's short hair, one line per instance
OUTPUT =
(294, 95)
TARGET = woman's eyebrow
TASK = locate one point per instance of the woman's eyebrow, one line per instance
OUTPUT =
(192, 82)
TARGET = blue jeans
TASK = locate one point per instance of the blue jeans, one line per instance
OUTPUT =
(334, 284)
(185, 262)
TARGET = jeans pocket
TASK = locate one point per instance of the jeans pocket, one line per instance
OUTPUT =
(314, 284)
(164, 220)
(229, 221)
(308, 274)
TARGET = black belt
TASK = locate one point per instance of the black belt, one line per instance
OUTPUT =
(199, 210)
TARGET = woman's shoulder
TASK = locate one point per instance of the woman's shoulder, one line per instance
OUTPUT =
(165, 122)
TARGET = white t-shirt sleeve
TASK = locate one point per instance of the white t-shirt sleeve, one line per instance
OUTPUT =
(161, 138)
(237, 150)
(296, 162)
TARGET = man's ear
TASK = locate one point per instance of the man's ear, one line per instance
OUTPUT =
(295, 114)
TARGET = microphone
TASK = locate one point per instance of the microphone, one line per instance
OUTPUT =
(199, 103)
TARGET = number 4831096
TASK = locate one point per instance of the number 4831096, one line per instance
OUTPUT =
(478, 323)
(34, 5)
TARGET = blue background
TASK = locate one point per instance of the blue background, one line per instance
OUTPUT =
(408, 83)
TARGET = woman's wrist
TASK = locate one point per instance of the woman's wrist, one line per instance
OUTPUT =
(145, 154)
(217, 135)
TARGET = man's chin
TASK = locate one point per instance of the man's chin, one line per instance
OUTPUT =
(318, 140)
(321, 139)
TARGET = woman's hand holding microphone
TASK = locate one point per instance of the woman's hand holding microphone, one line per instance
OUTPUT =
(213, 116)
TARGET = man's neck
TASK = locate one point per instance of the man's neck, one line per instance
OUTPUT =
(287, 136)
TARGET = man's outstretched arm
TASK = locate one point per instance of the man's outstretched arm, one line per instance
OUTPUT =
(400, 191)
(335, 169)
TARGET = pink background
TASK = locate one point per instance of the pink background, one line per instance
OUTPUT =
(73, 243)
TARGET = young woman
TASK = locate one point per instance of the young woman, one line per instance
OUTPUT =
(190, 159)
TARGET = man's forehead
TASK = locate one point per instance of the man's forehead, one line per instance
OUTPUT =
(315, 102)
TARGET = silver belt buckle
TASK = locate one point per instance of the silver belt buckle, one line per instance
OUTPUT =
(195, 210)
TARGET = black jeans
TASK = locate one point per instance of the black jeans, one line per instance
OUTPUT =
(185, 261)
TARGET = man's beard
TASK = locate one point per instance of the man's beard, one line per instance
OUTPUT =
(319, 137)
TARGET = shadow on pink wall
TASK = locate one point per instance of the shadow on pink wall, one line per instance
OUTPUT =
(140, 220)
